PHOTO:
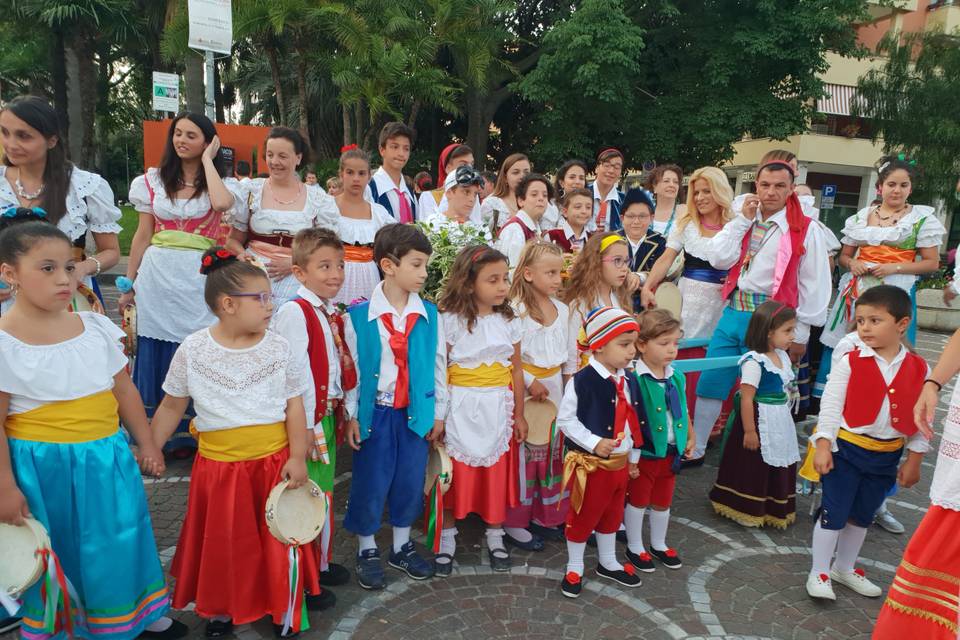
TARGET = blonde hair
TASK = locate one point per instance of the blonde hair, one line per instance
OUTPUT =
(719, 188)
(521, 291)
(587, 273)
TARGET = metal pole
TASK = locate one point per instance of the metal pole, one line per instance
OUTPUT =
(210, 100)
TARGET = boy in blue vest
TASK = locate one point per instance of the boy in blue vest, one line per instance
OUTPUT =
(600, 416)
(399, 404)
(314, 329)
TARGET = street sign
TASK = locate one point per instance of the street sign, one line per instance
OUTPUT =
(827, 196)
(211, 25)
(166, 92)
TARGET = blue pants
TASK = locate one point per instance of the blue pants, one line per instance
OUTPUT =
(387, 470)
(727, 340)
(857, 485)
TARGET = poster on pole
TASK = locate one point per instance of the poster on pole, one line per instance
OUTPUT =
(211, 25)
(166, 92)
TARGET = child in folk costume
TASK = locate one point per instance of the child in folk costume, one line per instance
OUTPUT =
(486, 384)
(667, 438)
(756, 482)
(533, 196)
(866, 420)
(314, 329)
(247, 389)
(544, 346)
(63, 382)
(571, 234)
(398, 406)
(600, 417)
(598, 279)
(922, 601)
(644, 244)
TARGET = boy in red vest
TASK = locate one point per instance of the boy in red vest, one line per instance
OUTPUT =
(533, 195)
(777, 254)
(314, 329)
(861, 436)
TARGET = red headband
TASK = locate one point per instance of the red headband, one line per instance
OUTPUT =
(607, 150)
(349, 147)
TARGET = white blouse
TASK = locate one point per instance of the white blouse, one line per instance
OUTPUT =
(179, 209)
(234, 388)
(319, 210)
(491, 204)
(89, 204)
(36, 375)
(857, 233)
(691, 240)
(491, 341)
(541, 346)
(362, 232)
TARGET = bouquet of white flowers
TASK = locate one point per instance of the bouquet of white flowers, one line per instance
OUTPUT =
(448, 238)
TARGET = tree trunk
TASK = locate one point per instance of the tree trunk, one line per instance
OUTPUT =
(58, 73)
(84, 49)
(414, 112)
(271, 50)
(358, 122)
(478, 127)
(347, 132)
(302, 96)
(74, 115)
(217, 93)
(193, 81)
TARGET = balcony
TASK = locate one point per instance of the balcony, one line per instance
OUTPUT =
(943, 16)
(880, 9)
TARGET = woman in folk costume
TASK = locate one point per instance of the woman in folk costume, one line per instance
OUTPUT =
(180, 205)
(276, 208)
(502, 204)
(247, 389)
(63, 390)
(923, 600)
(544, 347)
(665, 182)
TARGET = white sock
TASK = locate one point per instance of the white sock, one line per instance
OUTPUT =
(883, 507)
(704, 417)
(158, 626)
(633, 518)
(367, 542)
(658, 528)
(448, 543)
(848, 547)
(519, 534)
(607, 551)
(575, 557)
(824, 544)
(494, 538)
(401, 536)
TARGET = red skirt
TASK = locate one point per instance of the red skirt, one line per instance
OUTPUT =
(485, 491)
(923, 599)
(227, 561)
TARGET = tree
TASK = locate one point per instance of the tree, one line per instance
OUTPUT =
(912, 105)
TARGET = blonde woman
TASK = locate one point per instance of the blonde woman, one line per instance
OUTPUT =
(708, 209)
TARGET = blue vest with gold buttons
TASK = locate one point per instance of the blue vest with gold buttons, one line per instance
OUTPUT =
(654, 399)
(597, 403)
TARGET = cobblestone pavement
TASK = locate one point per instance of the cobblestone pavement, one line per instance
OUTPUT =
(735, 582)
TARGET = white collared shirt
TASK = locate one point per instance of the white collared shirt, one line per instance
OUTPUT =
(385, 185)
(387, 380)
(814, 281)
(641, 369)
(835, 394)
(575, 430)
(613, 194)
(290, 323)
(572, 237)
(511, 240)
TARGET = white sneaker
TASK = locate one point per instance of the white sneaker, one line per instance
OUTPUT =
(857, 580)
(819, 586)
(886, 520)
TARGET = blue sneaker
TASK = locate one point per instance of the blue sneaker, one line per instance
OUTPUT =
(9, 624)
(369, 569)
(411, 563)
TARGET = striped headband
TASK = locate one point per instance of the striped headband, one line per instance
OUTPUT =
(604, 324)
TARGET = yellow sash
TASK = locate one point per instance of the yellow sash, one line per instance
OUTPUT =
(578, 465)
(541, 373)
(173, 239)
(241, 443)
(67, 422)
(807, 471)
(486, 375)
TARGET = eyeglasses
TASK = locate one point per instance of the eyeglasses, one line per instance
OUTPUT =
(265, 297)
(617, 262)
(635, 217)
(610, 165)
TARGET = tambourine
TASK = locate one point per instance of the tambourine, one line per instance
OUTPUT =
(676, 269)
(439, 466)
(21, 564)
(668, 298)
(296, 516)
(540, 416)
(128, 322)
(86, 300)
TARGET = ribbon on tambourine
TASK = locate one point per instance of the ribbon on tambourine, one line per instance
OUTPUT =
(60, 600)
(295, 588)
(555, 442)
(433, 523)
(326, 535)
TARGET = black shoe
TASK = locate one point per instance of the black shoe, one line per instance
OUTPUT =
(695, 462)
(547, 533)
(533, 544)
(571, 585)
(642, 561)
(336, 575)
(9, 624)
(668, 557)
(499, 560)
(411, 562)
(218, 628)
(175, 630)
(626, 576)
(323, 600)
(278, 632)
(445, 568)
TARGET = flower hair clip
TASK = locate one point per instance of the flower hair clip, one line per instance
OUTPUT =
(24, 212)
(348, 147)
(215, 259)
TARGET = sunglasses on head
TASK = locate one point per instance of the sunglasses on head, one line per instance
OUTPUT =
(467, 175)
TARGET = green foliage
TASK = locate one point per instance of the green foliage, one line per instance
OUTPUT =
(447, 239)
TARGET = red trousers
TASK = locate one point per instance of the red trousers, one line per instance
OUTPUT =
(602, 508)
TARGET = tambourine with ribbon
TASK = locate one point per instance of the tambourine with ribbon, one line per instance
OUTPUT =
(436, 483)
